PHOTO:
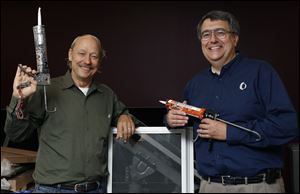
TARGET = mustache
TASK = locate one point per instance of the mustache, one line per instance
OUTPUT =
(87, 66)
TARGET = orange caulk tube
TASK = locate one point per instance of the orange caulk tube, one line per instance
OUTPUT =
(188, 109)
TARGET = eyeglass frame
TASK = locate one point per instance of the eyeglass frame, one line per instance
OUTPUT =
(214, 32)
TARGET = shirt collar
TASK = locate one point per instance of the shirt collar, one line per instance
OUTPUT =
(68, 83)
(228, 66)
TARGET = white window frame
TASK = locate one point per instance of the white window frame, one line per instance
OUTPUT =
(187, 155)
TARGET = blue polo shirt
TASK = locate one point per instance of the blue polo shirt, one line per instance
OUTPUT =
(249, 93)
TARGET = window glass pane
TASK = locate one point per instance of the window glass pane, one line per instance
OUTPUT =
(151, 164)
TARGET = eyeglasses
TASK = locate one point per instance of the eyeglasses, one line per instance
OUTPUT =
(220, 33)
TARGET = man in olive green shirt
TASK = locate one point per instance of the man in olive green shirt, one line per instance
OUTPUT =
(73, 140)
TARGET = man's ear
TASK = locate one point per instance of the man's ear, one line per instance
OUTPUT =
(236, 40)
(70, 54)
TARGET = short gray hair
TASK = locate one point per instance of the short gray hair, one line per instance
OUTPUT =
(102, 52)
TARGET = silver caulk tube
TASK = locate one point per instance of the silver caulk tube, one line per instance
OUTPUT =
(43, 75)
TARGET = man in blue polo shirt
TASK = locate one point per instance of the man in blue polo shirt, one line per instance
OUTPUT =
(245, 154)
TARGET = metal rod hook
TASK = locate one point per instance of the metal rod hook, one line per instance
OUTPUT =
(45, 100)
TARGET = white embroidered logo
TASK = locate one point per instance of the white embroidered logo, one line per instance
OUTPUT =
(243, 86)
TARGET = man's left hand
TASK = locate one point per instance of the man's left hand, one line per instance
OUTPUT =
(212, 129)
(126, 127)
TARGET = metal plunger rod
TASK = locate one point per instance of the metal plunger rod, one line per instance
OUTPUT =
(241, 127)
(46, 103)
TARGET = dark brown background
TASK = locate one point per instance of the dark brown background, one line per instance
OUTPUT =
(152, 48)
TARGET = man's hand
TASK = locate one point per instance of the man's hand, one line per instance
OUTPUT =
(126, 127)
(212, 129)
(22, 77)
(176, 118)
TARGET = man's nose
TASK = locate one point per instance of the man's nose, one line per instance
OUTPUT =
(87, 59)
(212, 37)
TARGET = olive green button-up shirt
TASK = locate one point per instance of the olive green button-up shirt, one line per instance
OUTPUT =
(73, 140)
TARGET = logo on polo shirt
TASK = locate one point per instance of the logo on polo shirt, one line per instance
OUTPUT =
(243, 86)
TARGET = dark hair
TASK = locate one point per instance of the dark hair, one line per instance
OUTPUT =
(220, 15)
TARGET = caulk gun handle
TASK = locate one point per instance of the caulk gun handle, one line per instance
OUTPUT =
(211, 115)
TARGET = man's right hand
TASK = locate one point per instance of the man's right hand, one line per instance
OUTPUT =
(177, 118)
(22, 77)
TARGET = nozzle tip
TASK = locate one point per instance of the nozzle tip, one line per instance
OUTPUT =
(163, 102)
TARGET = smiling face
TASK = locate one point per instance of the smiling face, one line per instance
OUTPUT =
(218, 50)
(85, 60)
